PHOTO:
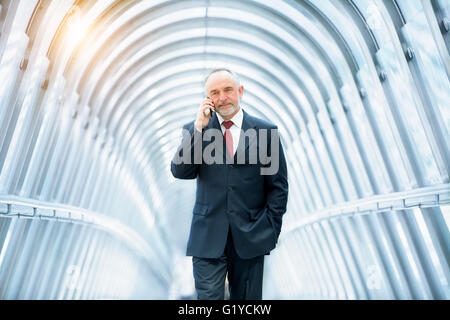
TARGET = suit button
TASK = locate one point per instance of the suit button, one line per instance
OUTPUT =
(230, 189)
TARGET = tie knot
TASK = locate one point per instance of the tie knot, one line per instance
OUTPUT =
(227, 124)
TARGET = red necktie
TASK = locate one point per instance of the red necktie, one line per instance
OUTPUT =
(228, 137)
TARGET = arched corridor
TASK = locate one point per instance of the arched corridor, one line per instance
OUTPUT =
(93, 96)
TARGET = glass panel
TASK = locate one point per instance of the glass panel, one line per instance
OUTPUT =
(16, 160)
(393, 273)
(446, 213)
(353, 156)
(406, 251)
(323, 156)
(9, 71)
(345, 285)
(316, 169)
(401, 170)
(313, 256)
(338, 157)
(367, 142)
(310, 181)
(401, 89)
(432, 76)
(16, 279)
(345, 240)
(437, 260)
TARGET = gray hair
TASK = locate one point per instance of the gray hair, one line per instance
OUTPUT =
(232, 74)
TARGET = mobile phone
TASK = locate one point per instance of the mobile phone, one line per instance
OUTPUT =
(207, 111)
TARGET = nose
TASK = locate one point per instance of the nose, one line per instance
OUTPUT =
(222, 97)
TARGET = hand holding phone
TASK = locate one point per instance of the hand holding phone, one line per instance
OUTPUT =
(204, 113)
(208, 111)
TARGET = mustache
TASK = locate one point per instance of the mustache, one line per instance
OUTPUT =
(219, 104)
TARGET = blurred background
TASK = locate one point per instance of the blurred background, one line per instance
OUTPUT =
(93, 96)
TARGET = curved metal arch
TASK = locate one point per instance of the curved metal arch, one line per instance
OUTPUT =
(303, 17)
(123, 29)
(214, 21)
(200, 39)
(126, 127)
(332, 29)
(138, 107)
(169, 64)
(138, 95)
(361, 21)
(105, 11)
(166, 119)
(123, 56)
(144, 130)
(199, 97)
(97, 94)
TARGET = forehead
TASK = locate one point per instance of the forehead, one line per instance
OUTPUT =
(219, 80)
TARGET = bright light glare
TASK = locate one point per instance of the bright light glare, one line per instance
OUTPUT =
(77, 28)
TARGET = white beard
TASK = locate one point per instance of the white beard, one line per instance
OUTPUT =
(233, 109)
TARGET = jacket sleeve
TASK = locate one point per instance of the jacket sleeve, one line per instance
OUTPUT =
(276, 186)
(186, 162)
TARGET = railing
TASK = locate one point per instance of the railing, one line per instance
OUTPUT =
(418, 198)
(14, 206)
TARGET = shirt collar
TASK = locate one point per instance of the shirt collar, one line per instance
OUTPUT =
(237, 118)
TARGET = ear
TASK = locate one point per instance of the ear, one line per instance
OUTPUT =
(241, 91)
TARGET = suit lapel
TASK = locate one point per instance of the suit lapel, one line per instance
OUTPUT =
(214, 122)
(247, 123)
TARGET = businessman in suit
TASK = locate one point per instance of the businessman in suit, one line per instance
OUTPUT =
(242, 191)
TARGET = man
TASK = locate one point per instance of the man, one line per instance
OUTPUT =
(240, 198)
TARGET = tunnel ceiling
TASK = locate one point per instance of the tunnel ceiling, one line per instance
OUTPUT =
(138, 67)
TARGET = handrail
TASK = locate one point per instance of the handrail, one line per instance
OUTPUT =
(12, 205)
(417, 198)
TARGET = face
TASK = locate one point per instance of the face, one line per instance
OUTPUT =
(225, 94)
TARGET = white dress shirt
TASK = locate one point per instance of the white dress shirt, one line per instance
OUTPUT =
(235, 128)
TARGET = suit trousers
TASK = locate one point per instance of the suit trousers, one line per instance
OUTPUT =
(245, 276)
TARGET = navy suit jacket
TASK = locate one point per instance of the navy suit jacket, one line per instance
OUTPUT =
(234, 196)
